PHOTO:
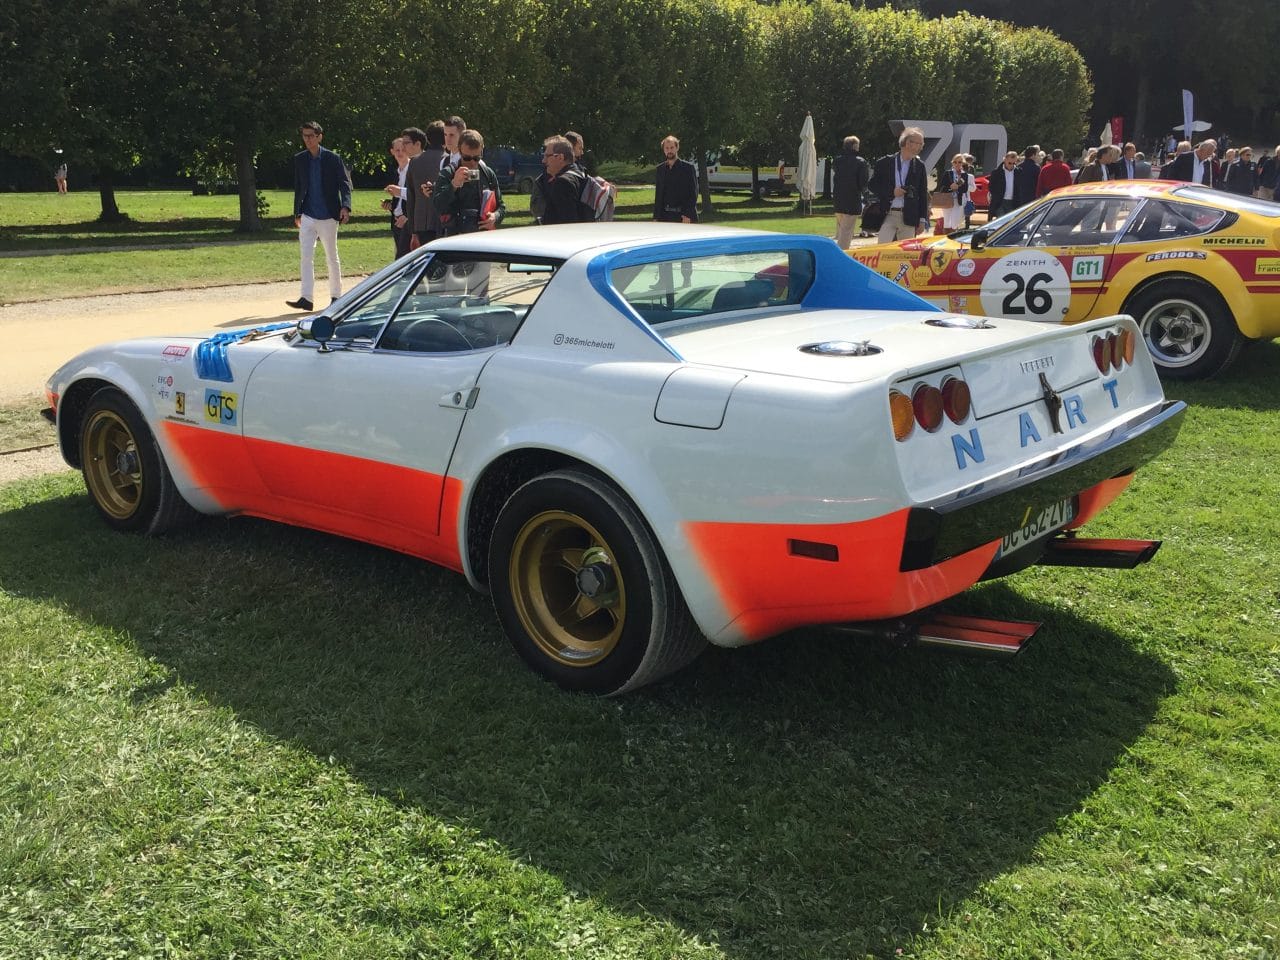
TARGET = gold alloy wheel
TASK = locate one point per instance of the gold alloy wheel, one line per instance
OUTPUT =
(568, 593)
(112, 464)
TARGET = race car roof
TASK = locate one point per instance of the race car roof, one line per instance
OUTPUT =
(562, 241)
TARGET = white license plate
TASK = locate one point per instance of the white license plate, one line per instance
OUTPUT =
(1048, 520)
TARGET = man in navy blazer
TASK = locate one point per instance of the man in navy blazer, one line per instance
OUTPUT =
(1196, 167)
(1000, 186)
(899, 182)
(321, 200)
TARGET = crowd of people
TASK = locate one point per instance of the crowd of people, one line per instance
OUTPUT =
(892, 196)
(443, 186)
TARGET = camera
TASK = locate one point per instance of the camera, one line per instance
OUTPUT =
(473, 173)
(909, 192)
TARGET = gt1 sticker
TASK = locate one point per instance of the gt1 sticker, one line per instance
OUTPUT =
(1028, 285)
(1086, 269)
(220, 406)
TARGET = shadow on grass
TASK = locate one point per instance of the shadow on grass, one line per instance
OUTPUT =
(1248, 384)
(92, 237)
(815, 795)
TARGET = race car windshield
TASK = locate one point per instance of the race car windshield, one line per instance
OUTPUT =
(682, 289)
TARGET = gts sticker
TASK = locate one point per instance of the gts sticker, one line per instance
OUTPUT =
(220, 406)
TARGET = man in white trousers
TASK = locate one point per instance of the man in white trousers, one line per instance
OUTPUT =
(321, 201)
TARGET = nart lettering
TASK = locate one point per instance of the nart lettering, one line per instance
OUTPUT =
(967, 446)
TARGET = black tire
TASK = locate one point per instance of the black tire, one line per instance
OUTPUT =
(762, 190)
(128, 480)
(525, 185)
(1187, 326)
(582, 590)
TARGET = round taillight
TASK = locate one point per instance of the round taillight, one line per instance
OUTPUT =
(926, 401)
(1102, 354)
(1128, 340)
(1117, 350)
(955, 399)
(904, 418)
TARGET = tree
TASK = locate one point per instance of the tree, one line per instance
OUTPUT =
(80, 86)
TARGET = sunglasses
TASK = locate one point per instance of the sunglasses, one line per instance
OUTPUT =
(467, 159)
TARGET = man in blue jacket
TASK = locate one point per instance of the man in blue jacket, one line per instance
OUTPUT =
(321, 201)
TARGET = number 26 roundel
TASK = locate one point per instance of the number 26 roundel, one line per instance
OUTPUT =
(1028, 285)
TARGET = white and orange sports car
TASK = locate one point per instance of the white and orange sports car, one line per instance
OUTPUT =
(639, 436)
(1198, 269)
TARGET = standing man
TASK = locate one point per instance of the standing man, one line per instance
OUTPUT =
(1000, 187)
(394, 203)
(585, 163)
(1026, 177)
(900, 183)
(1102, 167)
(467, 196)
(1195, 167)
(851, 174)
(1130, 166)
(560, 185)
(419, 181)
(1054, 174)
(675, 199)
(321, 201)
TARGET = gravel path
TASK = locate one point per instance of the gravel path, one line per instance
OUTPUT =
(39, 337)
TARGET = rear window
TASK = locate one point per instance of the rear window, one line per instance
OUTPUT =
(687, 288)
(1229, 201)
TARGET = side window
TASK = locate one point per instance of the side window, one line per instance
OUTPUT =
(1020, 232)
(1170, 220)
(1083, 221)
(678, 289)
(462, 303)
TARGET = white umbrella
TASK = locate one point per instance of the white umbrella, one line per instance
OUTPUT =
(1104, 138)
(807, 167)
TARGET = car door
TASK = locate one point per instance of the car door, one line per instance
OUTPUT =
(355, 436)
(1051, 265)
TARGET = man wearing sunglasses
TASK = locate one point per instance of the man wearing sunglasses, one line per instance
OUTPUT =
(467, 195)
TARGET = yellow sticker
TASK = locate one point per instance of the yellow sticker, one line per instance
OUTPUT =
(1267, 265)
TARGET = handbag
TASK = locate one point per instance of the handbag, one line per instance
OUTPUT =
(872, 213)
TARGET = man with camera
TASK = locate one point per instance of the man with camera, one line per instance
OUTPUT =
(467, 195)
(900, 184)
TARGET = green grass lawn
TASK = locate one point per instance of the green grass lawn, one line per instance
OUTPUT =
(202, 248)
(253, 741)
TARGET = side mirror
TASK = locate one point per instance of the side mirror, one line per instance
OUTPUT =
(979, 239)
(320, 329)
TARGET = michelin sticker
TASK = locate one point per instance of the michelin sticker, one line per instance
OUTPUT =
(1027, 285)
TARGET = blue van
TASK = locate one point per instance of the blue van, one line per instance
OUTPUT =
(516, 171)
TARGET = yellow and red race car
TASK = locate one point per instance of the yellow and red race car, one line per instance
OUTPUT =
(1198, 269)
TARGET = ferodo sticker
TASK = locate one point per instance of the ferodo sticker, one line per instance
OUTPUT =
(1028, 285)
(1267, 265)
(220, 406)
(1179, 255)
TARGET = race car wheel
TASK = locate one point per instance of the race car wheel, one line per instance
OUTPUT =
(582, 590)
(525, 186)
(124, 470)
(762, 191)
(1188, 328)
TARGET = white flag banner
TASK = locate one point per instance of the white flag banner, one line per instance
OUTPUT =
(1187, 114)
(1104, 138)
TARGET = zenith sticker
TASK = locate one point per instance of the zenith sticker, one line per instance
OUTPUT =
(221, 406)
(1267, 265)
(1234, 242)
(174, 352)
(1177, 255)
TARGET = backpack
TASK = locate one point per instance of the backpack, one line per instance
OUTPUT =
(598, 196)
